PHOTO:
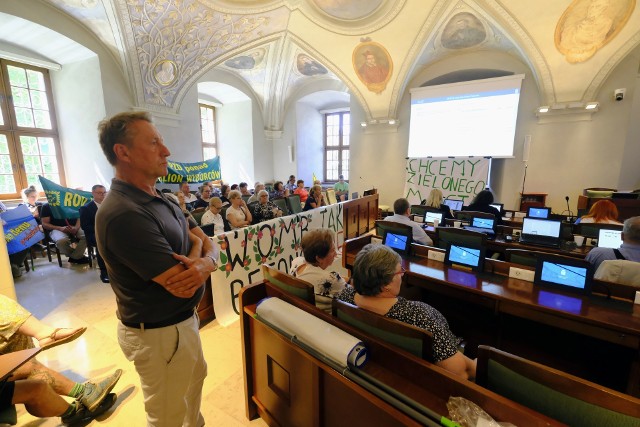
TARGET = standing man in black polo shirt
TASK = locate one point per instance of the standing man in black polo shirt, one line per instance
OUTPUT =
(157, 267)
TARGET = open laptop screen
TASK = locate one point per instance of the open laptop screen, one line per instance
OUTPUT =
(465, 256)
(541, 227)
(430, 216)
(455, 205)
(538, 212)
(564, 273)
(397, 242)
(609, 238)
(483, 222)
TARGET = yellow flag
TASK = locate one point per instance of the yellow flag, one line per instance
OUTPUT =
(314, 177)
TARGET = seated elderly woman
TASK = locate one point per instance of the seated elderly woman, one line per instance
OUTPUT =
(265, 209)
(377, 276)
(279, 191)
(319, 252)
(238, 213)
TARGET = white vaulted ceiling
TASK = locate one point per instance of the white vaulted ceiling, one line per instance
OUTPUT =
(281, 48)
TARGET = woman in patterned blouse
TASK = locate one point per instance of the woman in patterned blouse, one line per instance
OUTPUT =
(265, 209)
(377, 276)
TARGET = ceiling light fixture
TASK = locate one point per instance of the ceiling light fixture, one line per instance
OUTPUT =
(543, 109)
(363, 124)
(591, 106)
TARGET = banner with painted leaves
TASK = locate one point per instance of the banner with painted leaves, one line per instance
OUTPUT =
(21, 231)
(207, 170)
(65, 202)
(275, 242)
(457, 178)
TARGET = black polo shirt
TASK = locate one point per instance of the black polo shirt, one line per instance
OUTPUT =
(137, 234)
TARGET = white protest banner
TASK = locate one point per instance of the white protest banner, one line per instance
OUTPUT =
(275, 242)
(457, 178)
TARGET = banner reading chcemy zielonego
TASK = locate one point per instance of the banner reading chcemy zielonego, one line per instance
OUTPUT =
(275, 242)
(457, 178)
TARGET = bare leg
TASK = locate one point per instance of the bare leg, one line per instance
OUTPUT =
(39, 398)
(47, 335)
(35, 370)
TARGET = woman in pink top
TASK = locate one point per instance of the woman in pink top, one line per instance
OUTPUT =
(301, 191)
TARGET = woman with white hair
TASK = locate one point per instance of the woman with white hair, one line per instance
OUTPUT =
(265, 209)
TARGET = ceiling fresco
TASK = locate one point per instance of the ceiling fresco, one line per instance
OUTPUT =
(279, 47)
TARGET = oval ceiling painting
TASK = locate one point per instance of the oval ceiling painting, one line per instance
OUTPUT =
(348, 9)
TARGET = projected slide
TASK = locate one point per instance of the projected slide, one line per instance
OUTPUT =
(476, 118)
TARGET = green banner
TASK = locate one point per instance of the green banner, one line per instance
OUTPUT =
(208, 170)
(65, 202)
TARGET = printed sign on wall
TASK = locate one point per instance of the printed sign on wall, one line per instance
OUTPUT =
(457, 178)
(275, 242)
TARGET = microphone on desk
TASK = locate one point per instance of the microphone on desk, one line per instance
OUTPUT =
(568, 208)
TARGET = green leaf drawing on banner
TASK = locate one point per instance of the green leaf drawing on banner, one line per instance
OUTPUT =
(223, 258)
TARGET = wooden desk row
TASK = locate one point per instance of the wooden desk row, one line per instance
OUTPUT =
(570, 332)
(287, 386)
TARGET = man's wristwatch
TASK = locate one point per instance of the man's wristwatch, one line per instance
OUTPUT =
(215, 262)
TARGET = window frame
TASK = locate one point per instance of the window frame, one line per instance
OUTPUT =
(204, 144)
(13, 132)
(340, 147)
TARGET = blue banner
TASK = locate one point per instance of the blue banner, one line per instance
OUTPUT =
(65, 203)
(21, 230)
(207, 170)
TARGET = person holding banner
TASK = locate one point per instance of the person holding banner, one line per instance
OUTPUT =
(30, 200)
(158, 263)
(67, 235)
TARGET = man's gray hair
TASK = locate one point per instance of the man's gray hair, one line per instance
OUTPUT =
(115, 130)
(631, 229)
(374, 268)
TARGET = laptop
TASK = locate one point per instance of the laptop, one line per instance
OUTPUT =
(609, 238)
(354, 195)
(454, 205)
(398, 242)
(538, 231)
(429, 217)
(482, 225)
(568, 274)
(538, 212)
(498, 206)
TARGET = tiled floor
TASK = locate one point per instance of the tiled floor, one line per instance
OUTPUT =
(74, 296)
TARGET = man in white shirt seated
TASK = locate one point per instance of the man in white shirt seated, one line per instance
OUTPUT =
(629, 250)
(402, 215)
(189, 199)
(212, 216)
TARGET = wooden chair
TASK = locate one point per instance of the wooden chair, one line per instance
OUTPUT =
(331, 196)
(197, 214)
(461, 236)
(293, 201)
(289, 284)
(281, 203)
(416, 341)
(566, 398)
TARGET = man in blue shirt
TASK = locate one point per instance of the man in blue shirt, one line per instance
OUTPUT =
(629, 250)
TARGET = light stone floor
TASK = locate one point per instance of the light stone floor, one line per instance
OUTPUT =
(74, 296)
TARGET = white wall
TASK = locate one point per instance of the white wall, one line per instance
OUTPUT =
(235, 140)
(182, 136)
(309, 143)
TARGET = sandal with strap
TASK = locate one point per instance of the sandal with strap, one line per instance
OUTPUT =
(53, 339)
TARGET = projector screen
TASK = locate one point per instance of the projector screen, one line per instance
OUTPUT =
(472, 118)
